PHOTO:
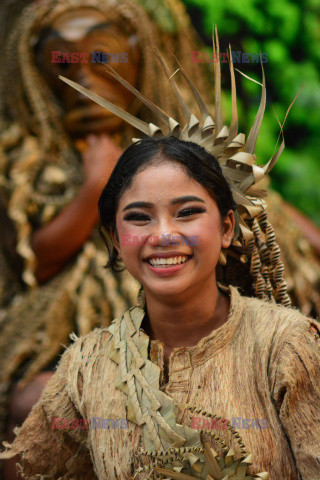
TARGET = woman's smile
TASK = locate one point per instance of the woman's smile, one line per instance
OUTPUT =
(167, 263)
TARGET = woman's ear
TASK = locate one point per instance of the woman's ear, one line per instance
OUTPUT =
(115, 240)
(228, 226)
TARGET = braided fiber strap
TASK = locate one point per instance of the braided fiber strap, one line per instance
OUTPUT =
(177, 451)
(139, 379)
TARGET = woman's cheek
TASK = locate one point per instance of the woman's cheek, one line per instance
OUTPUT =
(208, 241)
(130, 245)
(127, 234)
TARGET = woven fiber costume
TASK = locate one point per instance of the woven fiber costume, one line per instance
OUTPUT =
(41, 173)
(178, 452)
(250, 386)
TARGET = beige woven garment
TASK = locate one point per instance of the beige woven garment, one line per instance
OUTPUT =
(177, 450)
(263, 363)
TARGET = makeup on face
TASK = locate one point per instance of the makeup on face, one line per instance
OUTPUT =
(158, 215)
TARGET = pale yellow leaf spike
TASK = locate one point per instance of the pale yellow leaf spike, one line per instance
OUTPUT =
(234, 116)
(230, 453)
(263, 475)
(238, 141)
(208, 124)
(248, 459)
(154, 129)
(127, 117)
(254, 132)
(174, 126)
(181, 100)
(193, 123)
(157, 110)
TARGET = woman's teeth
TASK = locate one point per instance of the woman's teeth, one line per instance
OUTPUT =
(167, 261)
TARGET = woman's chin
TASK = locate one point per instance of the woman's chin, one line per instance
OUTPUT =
(170, 290)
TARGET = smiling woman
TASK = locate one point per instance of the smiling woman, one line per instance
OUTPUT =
(172, 189)
(193, 170)
(193, 346)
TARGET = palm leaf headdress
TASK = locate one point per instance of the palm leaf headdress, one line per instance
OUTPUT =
(254, 239)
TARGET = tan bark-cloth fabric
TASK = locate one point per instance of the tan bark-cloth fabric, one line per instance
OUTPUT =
(260, 370)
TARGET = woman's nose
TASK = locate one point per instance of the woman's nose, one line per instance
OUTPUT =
(164, 234)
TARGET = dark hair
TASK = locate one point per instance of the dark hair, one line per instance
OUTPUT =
(199, 164)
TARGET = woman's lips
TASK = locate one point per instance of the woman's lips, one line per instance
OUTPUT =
(168, 269)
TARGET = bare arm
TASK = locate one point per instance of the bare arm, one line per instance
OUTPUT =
(55, 243)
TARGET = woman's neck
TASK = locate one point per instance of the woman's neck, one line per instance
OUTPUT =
(184, 323)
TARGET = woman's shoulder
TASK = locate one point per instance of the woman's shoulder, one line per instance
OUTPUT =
(271, 319)
(99, 340)
(89, 341)
(96, 342)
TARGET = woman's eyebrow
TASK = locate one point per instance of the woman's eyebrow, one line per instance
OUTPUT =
(186, 198)
(175, 201)
(138, 205)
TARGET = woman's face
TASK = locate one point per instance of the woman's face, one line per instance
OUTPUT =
(170, 231)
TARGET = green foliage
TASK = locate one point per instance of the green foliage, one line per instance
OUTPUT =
(288, 32)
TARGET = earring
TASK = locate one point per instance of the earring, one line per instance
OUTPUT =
(222, 260)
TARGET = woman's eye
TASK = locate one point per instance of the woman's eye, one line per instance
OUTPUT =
(137, 217)
(190, 211)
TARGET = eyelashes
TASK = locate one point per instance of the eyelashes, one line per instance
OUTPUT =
(191, 211)
(140, 217)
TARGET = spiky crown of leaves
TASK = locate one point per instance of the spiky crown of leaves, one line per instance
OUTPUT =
(253, 233)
